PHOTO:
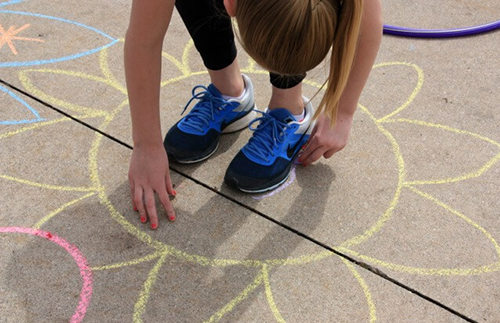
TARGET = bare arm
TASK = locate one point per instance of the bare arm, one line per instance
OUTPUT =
(324, 140)
(368, 45)
(148, 172)
(143, 45)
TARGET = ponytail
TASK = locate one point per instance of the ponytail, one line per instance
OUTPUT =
(342, 57)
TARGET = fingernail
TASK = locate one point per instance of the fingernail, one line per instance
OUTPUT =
(136, 209)
(143, 219)
(153, 226)
(175, 193)
(172, 218)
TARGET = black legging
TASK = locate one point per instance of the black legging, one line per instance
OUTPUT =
(210, 27)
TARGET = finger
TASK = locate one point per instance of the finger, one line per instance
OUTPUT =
(313, 156)
(167, 205)
(170, 188)
(329, 153)
(131, 186)
(138, 194)
(149, 200)
(309, 149)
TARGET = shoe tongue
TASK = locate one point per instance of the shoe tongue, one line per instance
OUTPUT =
(213, 90)
(282, 115)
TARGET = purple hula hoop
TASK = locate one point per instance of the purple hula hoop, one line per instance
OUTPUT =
(440, 33)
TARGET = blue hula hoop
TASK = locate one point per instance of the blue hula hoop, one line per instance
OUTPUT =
(440, 33)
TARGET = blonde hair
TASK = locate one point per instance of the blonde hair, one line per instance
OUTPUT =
(291, 37)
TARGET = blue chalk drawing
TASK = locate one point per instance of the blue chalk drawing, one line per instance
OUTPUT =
(17, 98)
(6, 3)
(60, 59)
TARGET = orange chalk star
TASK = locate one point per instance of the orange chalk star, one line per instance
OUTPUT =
(7, 37)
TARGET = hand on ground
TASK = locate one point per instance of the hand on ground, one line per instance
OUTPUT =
(149, 175)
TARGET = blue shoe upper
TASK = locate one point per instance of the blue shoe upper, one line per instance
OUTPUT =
(274, 137)
(211, 112)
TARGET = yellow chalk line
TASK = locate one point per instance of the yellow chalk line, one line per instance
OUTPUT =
(474, 174)
(252, 70)
(185, 56)
(182, 68)
(437, 271)
(312, 83)
(106, 71)
(31, 127)
(140, 306)
(460, 215)
(130, 228)
(251, 67)
(47, 186)
(401, 178)
(43, 124)
(39, 224)
(415, 92)
(28, 85)
(241, 297)
(137, 261)
(299, 260)
(447, 128)
(471, 175)
(366, 290)
(269, 295)
(180, 78)
(494, 267)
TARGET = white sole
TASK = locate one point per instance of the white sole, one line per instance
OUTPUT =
(268, 188)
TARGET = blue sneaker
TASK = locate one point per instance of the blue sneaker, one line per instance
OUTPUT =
(265, 161)
(196, 136)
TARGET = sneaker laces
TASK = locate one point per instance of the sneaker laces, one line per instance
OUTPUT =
(266, 137)
(204, 111)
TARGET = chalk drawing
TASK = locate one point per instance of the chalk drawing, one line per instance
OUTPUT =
(85, 271)
(6, 3)
(241, 297)
(280, 188)
(269, 295)
(162, 251)
(23, 103)
(111, 42)
(8, 36)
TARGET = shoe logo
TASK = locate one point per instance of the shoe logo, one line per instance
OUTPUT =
(291, 150)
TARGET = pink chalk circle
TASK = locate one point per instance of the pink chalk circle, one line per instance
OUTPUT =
(80, 260)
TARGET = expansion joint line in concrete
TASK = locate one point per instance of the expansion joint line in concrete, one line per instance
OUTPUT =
(361, 264)
(50, 106)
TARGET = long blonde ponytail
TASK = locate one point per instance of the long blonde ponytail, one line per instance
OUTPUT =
(291, 37)
(342, 57)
